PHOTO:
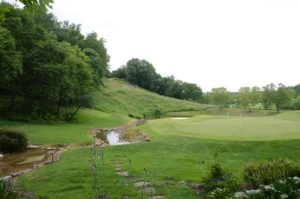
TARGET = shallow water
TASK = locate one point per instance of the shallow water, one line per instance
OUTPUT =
(20, 161)
(112, 137)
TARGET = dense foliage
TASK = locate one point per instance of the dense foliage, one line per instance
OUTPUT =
(270, 96)
(267, 179)
(266, 172)
(143, 74)
(49, 71)
(12, 141)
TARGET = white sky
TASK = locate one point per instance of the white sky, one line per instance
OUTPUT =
(230, 43)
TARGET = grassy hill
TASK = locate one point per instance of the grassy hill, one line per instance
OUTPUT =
(118, 96)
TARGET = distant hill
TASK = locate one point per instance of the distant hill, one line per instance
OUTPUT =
(118, 96)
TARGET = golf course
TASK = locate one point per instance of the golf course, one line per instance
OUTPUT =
(180, 149)
(149, 99)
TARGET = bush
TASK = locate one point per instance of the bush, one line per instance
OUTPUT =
(219, 183)
(12, 141)
(267, 172)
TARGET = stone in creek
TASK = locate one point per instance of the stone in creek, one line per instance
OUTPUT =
(1, 155)
(31, 146)
(141, 184)
(123, 173)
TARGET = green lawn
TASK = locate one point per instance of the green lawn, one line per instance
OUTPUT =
(75, 132)
(284, 126)
(177, 151)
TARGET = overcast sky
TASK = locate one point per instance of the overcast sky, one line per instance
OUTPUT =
(212, 43)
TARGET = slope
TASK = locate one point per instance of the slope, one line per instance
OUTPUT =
(118, 96)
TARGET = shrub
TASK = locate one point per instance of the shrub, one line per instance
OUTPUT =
(157, 114)
(267, 172)
(12, 141)
(219, 183)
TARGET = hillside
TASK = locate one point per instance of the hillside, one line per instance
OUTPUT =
(118, 96)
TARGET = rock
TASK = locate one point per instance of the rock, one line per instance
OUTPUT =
(50, 148)
(31, 146)
(6, 178)
(123, 173)
(16, 174)
(157, 197)
(1, 155)
(148, 190)
(118, 169)
(141, 184)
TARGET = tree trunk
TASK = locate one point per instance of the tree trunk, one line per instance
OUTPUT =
(277, 108)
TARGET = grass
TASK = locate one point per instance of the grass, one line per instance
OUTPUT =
(177, 152)
(284, 126)
(63, 133)
(118, 96)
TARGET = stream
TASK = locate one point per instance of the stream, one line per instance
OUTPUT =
(16, 162)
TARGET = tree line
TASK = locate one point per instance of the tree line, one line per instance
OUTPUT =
(277, 96)
(142, 73)
(47, 68)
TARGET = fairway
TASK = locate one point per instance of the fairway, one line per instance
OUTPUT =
(285, 126)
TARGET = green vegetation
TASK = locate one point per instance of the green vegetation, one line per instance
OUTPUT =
(118, 96)
(267, 172)
(143, 74)
(12, 141)
(177, 152)
(283, 126)
(63, 133)
(51, 70)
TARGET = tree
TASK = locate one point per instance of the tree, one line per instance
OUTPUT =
(37, 4)
(219, 96)
(245, 96)
(141, 73)
(280, 96)
(249, 96)
(10, 65)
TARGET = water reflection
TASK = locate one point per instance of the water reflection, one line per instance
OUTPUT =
(112, 137)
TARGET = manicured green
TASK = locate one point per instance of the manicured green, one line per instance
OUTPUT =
(121, 97)
(284, 126)
(171, 156)
(62, 133)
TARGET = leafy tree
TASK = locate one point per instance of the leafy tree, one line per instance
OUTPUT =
(37, 4)
(91, 41)
(141, 73)
(249, 96)
(10, 65)
(297, 89)
(245, 96)
(219, 96)
(280, 96)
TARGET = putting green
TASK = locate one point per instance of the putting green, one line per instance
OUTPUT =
(284, 126)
